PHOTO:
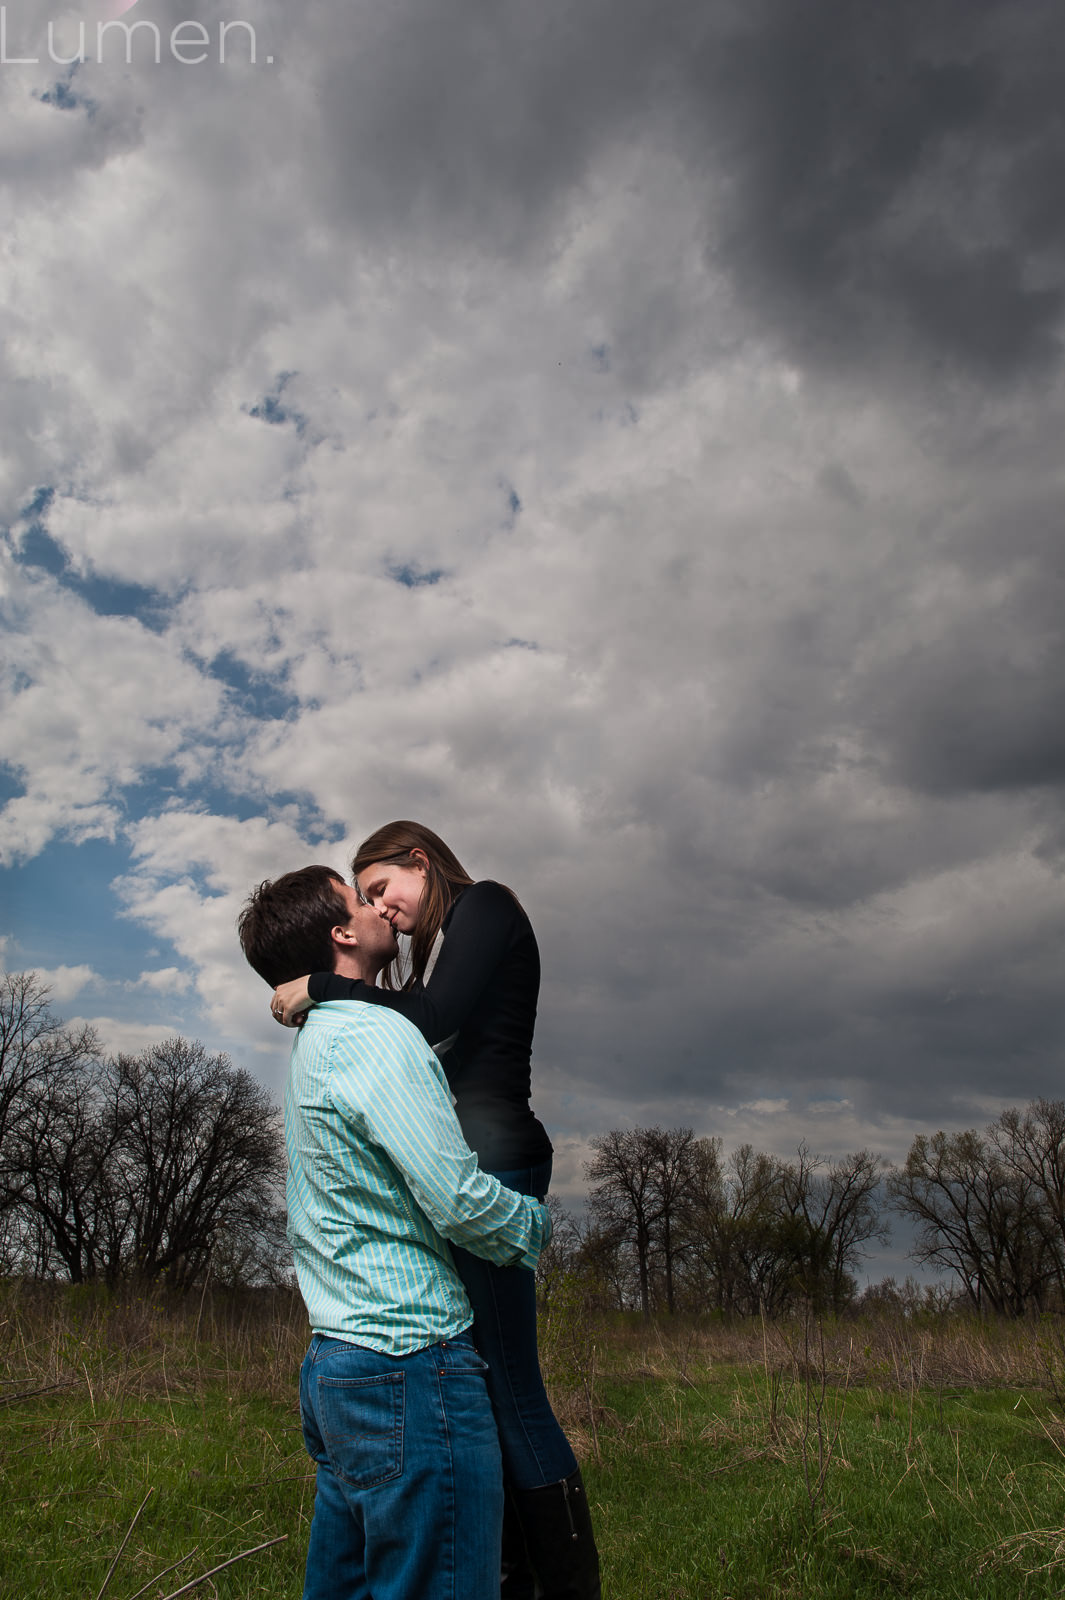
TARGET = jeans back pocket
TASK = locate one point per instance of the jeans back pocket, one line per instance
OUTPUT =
(361, 1421)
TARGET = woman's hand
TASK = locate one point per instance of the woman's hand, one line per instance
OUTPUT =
(291, 1002)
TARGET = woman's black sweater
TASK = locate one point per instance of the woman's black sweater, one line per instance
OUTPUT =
(483, 989)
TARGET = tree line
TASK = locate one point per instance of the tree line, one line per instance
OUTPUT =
(168, 1165)
(675, 1224)
(160, 1166)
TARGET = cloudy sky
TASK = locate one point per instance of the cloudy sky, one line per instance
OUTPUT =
(625, 437)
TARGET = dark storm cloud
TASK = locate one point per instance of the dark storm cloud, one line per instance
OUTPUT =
(879, 180)
(907, 1033)
(893, 169)
(474, 120)
(969, 697)
(980, 709)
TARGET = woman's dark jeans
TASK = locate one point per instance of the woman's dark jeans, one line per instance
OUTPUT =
(535, 1450)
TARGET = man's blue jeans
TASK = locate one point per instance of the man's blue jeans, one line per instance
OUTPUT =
(409, 1499)
(535, 1450)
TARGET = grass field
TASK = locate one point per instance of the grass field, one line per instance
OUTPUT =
(865, 1459)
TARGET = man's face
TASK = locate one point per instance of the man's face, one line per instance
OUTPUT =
(377, 942)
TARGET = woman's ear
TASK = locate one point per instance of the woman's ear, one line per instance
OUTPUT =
(419, 859)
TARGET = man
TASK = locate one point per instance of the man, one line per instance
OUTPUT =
(395, 1411)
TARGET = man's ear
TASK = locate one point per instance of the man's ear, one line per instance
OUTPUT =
(344, 936)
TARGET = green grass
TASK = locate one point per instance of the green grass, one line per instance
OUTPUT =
(734, 1463)
(713, 1490)
(222, 1475)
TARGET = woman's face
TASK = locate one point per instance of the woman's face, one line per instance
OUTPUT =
(396, 889)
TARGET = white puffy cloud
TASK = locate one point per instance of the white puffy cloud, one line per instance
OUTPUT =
(163, 980)
(93, 702)
(191, 873)
(118, 1036)
(63, 983)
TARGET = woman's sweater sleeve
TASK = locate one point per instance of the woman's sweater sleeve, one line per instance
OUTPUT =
(482, 923)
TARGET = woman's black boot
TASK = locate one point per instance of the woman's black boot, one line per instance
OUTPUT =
(558, 1536)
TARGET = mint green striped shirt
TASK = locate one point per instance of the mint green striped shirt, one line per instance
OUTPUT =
(380, 1177)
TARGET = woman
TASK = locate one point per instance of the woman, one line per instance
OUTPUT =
(472, 990)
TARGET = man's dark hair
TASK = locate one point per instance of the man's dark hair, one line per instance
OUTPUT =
(286, 925)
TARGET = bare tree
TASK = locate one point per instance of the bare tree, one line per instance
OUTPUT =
(606, 1265)
(144, 1166)
(833, 1211)
(63, 1149)
(641, 1179)
(1032, 1144)
(978, 1215)
(757, 1278)
(199, 1158)
(671, 1174)
(37, 1054)
(624, 1201)
(731, 1222)
(990, 1207)
(704, 1225)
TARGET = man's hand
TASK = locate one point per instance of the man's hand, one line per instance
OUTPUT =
(291, 1002)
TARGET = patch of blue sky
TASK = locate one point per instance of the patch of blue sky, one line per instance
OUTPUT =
(161, 789)
(601, 357)
(157, 790)
(64, 97)
(37, 548)
(40, 503)
(11, 785)
(411, 576)
(60, 910)
(272, 410)
(105, 596)
(514, 506)
(262, 695)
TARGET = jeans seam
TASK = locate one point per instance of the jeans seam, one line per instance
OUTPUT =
(453, 1531)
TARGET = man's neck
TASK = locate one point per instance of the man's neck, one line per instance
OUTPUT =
(346, 966)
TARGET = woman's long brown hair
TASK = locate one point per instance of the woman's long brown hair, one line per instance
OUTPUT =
(444, 877)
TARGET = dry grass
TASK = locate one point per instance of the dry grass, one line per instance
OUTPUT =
(142, 1344)
(1034, 1550)
(890, 1352)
